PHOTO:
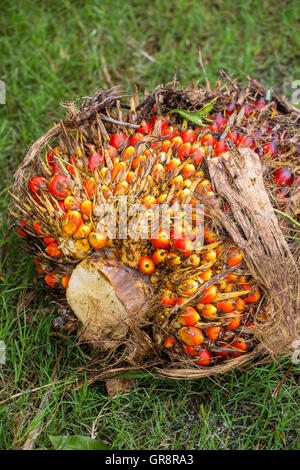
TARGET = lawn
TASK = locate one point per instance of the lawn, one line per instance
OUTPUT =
(52, 52)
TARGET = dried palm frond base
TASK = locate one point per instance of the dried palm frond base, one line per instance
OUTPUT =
(197, 310)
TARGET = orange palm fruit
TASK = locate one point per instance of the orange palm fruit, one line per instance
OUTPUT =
(51, 280)
(159, 256)
(97, 240)
(149, 201)
(233, 322)
(172, 260)
(191, 335)
(53, 250)
(173, 164)
(227, 305)
(206, 275)
(194, 260)
(71, 203)
(37, 228)
(188, 170)
(234, 257)
(118, 170)
(209, 295)
(90, 187)
(140, 160)
(146, 265)
(86, 209)
(168, 298)
(83, 231)
(189, 317)
(188, 287)
(71, 221)
(255, 294)
(240, 344)
(169, 342)
(183, 246)
(128, 153)
(121, 188)
(208, 311)
(65, 281)
(214, 332)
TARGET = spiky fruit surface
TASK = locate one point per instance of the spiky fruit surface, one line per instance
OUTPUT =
(159, 163)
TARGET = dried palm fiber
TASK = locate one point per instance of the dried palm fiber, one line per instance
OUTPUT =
(240, 179)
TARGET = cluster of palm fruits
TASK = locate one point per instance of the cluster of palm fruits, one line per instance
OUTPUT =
(161, 162)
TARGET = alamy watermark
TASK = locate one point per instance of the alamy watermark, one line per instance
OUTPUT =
(296, 92)
(296, 351)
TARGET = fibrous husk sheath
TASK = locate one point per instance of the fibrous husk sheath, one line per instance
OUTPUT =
(253, 226)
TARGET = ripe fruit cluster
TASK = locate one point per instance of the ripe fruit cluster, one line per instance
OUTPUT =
(161, 162)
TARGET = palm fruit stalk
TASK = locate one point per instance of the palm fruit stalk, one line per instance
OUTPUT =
(199, 297)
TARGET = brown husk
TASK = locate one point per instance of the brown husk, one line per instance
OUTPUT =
(251, 223)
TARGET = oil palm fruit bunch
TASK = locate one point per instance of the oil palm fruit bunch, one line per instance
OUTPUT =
(117, 214)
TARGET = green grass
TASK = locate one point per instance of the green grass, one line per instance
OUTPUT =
(51, 52)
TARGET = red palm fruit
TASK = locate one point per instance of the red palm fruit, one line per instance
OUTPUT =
(70, 168)
(283, 176)
(58, 186)
(36, 184)
(159, 256)
(71, 203)
(145, 128)
(97, 240)
(135, 138)
(206, 275)
(48, 240)
(140, 160)
(149, 201)
(173, 260)
(249, 110)
(208, 139)
(220, 120)
(246, 141)
(146, 265)
(94, 161)
(197, 154)
(254, 296)
(65, 281)
(86, 209)
(209, 295)
(23, 224)
(220, 147)
(37, 228)
(71, 222)
(271, 148)
(283, 192)
(38, 266)
(223, 354)
(214, 332)
(161, 239)
(168, 298)
(184, 150)
(90, 187)
(233, 323)
(173, 164)
(214, 127)
(234, 136)
(231, 108)
(208, 311)
(234, 257)
(121, 188)
(189, 317)
(166, 131)
(226, 305)
(188, 170)
(190, 350)
(184, 246)
(188, 136)
(240, 305)
(260, 103)
(240, 344)
(59, 205)
(53, 250)
(50, 158)
(116, 140)
(169, 342)
(55, 170)
(205, 357)
(51, 280)
(188, 287)
(191, 336)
